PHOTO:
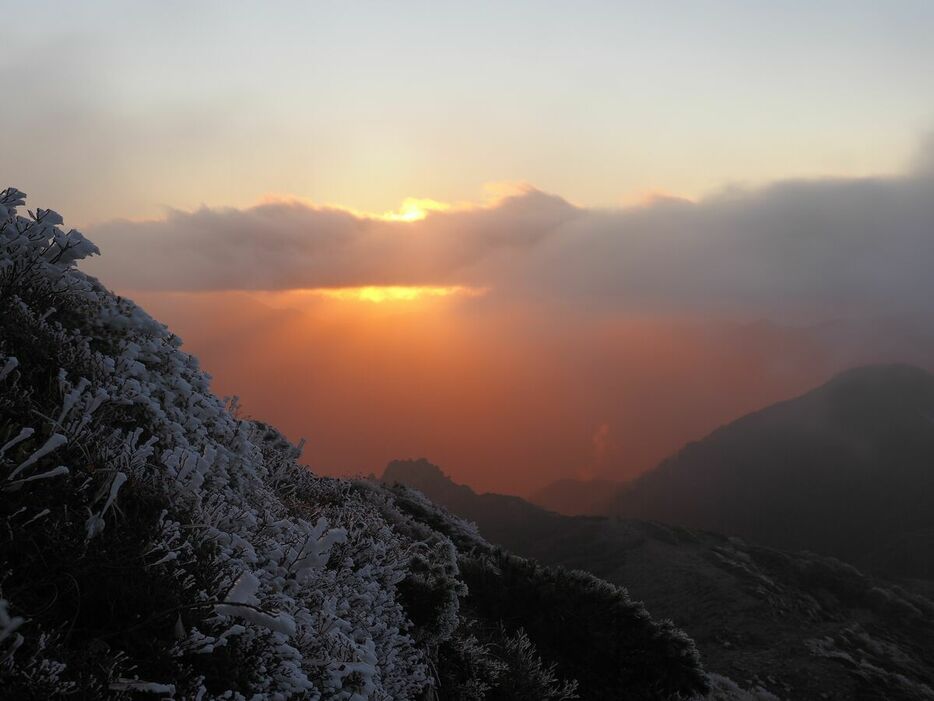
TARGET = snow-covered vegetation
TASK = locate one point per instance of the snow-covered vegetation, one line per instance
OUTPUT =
(155, 544)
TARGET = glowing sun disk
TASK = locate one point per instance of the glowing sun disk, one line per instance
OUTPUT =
(395, 293)
(415, 209)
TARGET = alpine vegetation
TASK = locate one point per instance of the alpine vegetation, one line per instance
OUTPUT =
(154, 543)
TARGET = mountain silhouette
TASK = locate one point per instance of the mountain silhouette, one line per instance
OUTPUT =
(846, 470)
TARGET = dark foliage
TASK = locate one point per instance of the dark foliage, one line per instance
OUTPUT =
(590, 628)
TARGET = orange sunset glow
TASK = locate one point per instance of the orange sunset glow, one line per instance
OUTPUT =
(503, 399)
(390, 293)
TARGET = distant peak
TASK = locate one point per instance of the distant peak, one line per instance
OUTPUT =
(414, 470)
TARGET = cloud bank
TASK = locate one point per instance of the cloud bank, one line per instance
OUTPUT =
(289, 245)
(813, 248)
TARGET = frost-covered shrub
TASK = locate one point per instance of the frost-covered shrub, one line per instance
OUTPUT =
(529, 677)
(468, 666)
(591, 628)
(487, 663)
(190, 553)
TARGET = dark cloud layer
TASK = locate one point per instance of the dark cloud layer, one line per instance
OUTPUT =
(289, 245)
(813, 248)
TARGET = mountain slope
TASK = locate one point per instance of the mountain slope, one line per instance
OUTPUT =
(155, 545)
(845, 470)
(577, 497)
(801, 625)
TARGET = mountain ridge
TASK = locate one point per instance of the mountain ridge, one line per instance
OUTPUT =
(846, 469)
(798, 625)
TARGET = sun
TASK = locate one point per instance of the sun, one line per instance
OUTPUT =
(415, 209)
(396, 293)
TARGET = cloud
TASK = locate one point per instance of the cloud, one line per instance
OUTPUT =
(290, 244)
(810, 248)
(800, 248)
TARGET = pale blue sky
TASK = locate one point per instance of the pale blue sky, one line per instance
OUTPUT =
(124, 108)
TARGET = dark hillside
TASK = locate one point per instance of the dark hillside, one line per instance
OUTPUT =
(801, 625)
(845, 470)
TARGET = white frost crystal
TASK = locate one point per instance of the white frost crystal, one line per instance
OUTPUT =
(55, 441)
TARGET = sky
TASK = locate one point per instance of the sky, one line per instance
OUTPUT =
(147, 105)
(526, 240)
